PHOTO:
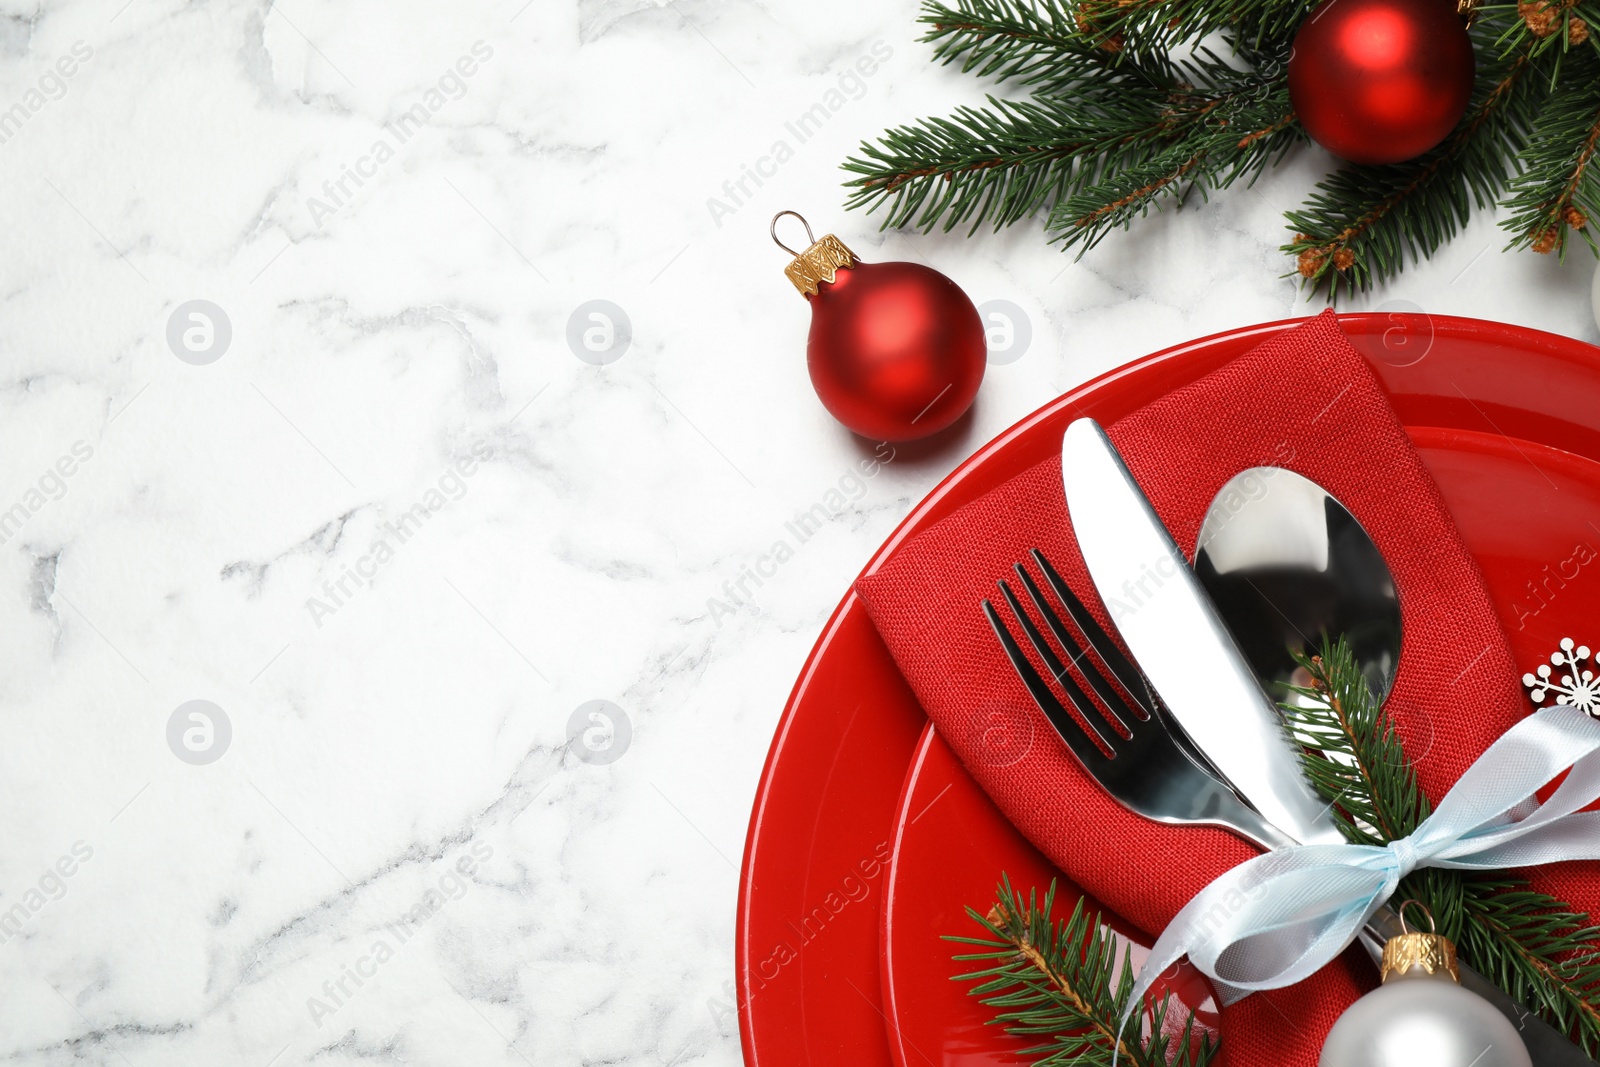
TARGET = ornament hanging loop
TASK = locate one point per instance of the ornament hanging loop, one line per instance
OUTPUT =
(1401, 911)
(1431, 951)
(820, 262)
(810, 240)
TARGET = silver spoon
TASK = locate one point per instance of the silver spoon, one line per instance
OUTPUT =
(1287, 565)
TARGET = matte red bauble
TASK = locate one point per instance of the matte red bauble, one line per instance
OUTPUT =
(897, 351)
(1381, 81)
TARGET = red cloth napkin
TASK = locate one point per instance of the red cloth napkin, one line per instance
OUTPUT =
(1305, 400)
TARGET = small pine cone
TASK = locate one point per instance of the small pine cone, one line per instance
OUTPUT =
(1113, 43)
(1310, 262)
(1540, 15)
(1545, 243)
(1575, 218)
(1577, 31)
(1089, 15)
(1344, 258)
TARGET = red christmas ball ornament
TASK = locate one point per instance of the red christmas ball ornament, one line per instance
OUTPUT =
(1381, 81)
(897, 350)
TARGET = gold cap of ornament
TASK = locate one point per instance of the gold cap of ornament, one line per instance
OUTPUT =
(816, 264)
(1432, 951)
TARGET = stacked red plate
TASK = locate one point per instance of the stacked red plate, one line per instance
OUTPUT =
(868, 841)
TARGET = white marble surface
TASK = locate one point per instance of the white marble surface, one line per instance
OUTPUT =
(418, 718)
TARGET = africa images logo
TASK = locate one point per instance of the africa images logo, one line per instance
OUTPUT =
(850, 85)
(451, 85)
(50, 87)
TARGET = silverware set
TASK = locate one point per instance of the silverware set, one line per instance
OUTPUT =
(1182, 731)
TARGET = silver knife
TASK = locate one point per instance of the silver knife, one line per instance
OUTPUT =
(1180, 642)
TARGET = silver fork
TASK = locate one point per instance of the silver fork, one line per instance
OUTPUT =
(1144, 761)
(1139, 760)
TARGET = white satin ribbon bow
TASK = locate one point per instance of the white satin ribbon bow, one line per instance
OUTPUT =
(1279, 918)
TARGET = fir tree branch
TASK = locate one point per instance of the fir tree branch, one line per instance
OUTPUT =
(1095, 160)
(1530, 944)
(1229, 126)
(996, 165)
(1351, 752)
(1559, 188)
(1065, 983)
(1539, 951)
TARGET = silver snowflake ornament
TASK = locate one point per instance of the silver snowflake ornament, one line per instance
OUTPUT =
(1576, 686)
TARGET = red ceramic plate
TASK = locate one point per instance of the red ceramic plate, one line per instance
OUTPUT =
(1505, 418)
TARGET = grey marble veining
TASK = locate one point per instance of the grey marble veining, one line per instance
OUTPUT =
(399, 534)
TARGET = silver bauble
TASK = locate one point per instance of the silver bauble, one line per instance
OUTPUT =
(1423, 1020)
